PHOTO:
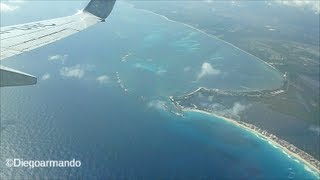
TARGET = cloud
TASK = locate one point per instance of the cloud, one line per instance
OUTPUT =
(315, 129)
(58, 57)
(72, 72)
(77, 71)
(234, 111)
(103, 79)
(46, 76)
(10, 5)
(157, 104)
(313, 5)
(238, 108)
(207, 70)
(5, 7)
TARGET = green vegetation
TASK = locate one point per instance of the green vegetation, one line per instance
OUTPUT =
(290, 43)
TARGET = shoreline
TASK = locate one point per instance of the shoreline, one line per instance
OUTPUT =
(310, 163)
(308, 166)
(211, 36)
(260, 135)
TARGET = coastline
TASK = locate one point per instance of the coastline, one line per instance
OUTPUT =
(285, 149)
(211, 36)
(270, 141)
(310, 163)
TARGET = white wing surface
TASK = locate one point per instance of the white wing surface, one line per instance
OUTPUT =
(25, 37)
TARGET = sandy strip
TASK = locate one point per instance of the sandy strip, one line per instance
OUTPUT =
(231, 120)
(209, 35)
(234, 122)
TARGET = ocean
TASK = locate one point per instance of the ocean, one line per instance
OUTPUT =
(102, 98)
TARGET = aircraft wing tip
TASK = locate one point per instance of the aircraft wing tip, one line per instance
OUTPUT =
(100, 8)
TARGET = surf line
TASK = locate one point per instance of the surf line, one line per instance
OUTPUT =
(209, 35)
(274, 144)
(300, 156)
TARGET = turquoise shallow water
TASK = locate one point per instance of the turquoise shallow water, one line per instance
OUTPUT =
(173, 54)
(125, 127)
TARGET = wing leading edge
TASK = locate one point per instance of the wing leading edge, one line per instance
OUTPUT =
(26, 37)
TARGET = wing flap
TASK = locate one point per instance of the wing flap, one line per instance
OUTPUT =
(11, 77)
(18, 39)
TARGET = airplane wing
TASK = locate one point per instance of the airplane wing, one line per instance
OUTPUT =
(25, 37)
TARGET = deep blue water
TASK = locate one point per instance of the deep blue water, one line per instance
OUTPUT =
(125, 128)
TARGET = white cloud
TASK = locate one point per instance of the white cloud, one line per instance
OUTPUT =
(103, 79)
(46, 76)
(58, 57)
(72, 72)
(234, 111)
(77, 71)
(311, 4)
(157, 104)
(238, 108)
(206, 70)
(10, 5)
(5, 7)
(315, 129)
